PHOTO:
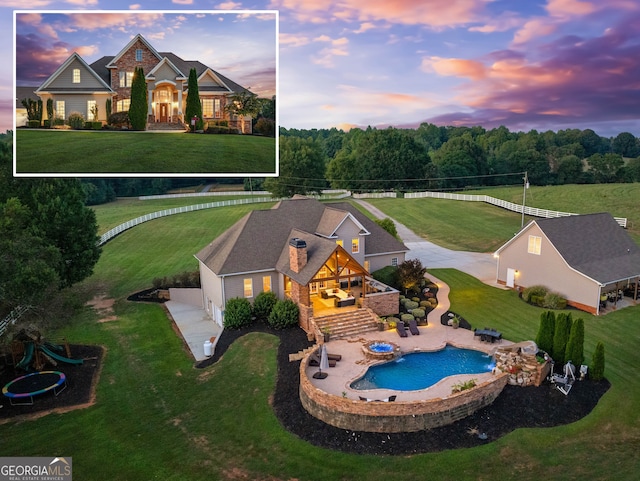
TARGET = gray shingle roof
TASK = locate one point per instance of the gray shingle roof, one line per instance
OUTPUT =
(25, 93)
(256, 241)
(595, 245)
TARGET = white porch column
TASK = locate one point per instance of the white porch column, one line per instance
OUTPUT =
(149, 101)
(180, 112)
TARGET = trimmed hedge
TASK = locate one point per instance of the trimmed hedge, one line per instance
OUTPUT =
(237, 313)
(284, 314)
(263, 305)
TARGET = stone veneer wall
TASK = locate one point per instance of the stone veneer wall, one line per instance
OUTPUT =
(397, 416)
(523, 369)
(382, 303)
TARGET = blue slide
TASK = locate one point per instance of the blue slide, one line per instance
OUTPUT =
(58, 357)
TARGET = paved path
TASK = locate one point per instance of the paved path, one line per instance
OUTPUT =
(479, 265)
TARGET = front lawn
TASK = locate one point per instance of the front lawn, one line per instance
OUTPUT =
(96, 152)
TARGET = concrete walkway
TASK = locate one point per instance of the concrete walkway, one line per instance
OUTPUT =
(195, 326)
(479, 265)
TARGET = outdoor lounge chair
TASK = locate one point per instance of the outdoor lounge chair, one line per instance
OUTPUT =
(334, 357)
(402, 331)
(413, 327)
(314, 361)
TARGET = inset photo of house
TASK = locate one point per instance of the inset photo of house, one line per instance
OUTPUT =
(146, 93)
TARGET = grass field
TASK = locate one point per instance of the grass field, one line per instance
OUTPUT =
(95, 152)
(157, 417)
(462, 225)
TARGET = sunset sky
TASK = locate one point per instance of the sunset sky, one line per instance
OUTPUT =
(525, 64)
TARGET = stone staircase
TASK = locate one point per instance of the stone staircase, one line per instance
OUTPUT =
(348, 324)
(165, 126)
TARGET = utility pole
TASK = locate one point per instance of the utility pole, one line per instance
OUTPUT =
(524, 196)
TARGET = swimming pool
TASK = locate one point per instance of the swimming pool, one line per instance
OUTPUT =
(421, 370)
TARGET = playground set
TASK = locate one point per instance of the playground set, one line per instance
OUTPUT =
(31, 354)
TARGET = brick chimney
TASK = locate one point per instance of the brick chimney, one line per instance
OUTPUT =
(297, 254)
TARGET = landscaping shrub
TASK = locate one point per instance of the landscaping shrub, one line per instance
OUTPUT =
(263, 305)
(119, 119)
(93, 125)
(597, 363)
(265, 127)
(419, 313)
(575, 346)
(425, 304)
(387, 275)
(536, 300)
(33, 124)
(546, 330)
(553, 300)
(406, 318)
(539, 291)
(219, 130)
(560, 337)
(411, 305)
(284, 314)
(237, 313)
(76, 120)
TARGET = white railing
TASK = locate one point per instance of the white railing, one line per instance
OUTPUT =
(12, 317)
(531, 211)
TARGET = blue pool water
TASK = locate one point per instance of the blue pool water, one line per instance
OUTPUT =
(420, 370)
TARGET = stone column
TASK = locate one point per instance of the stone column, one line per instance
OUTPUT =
(150, 113)
(180, 112)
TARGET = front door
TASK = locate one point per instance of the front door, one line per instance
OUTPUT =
(164, 112)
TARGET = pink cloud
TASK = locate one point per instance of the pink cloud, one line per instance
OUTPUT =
(455, 67)
(535, 28)
(434, 13)
(571, 80)
(292, 40)
(570, 8)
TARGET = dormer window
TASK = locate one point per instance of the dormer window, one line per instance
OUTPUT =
(76, 76)
(139, 55)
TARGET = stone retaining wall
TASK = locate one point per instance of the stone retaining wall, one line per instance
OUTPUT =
(397, 416)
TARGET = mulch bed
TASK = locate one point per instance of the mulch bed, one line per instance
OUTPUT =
(80, 391)
(515, 408)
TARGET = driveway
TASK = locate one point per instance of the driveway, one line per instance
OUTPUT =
(479, 265)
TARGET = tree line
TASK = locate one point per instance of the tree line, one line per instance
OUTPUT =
(435, 157)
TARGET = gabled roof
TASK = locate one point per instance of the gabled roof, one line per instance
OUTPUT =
(132, 42)
(318, 251)
(72, 58)
(332, 219)
(255, 243)
(592, 244)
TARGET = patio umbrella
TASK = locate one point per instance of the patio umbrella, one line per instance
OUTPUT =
(324, 363)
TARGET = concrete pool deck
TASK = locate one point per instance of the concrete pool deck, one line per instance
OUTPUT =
(432, 337)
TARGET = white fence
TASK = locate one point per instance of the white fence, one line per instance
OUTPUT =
(204, 194)
(376, 195)
(531, 211)
(12, 317)
(110, 234)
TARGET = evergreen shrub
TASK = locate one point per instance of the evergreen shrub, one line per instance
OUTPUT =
(263, 305)
(237, 313)
(284, 314)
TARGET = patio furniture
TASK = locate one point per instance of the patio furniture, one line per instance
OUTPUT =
(488, 335)
(413, 328)
(314, 361)
(402, 331)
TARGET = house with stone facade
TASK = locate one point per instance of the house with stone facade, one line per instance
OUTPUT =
(320, 255)
(590, 260)
(77, 86)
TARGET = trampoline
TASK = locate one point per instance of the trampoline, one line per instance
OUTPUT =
(22, 389)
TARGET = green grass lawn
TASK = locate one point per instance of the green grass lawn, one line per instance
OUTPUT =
(480, 227)
(94, 152)
(156, 417)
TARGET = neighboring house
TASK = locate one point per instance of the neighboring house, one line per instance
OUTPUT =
(581, 257)
(77, 86)
(305, 250)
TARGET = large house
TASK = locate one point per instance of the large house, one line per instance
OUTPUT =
(585, 258)
(319, 255)
(80, 87)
